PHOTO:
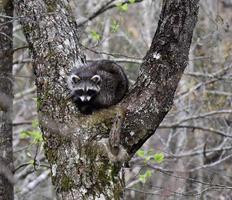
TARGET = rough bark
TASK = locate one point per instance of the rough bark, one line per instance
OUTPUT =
(152, 95)
(77, 147)
(6, 101)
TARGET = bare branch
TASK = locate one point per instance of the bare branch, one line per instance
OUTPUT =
(33, 184)
(204, 115)
(221, 133)
(102, 9)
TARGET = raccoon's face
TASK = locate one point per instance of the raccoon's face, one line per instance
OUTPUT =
(84, 88)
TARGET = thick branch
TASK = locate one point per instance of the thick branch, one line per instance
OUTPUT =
(152, 96)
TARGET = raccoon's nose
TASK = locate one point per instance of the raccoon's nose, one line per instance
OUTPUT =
(85, 98)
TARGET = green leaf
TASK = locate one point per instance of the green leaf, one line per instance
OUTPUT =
(37, 136)
(31, 162)
(23, 135)
(35, 123)
(122, 6)
(143, 177)
(159, 157)
(147, 158)
(114, 26)
(148, 173)
(34, 134)
(132, 1)
(140, 153)
(38, 102)
(95, 35)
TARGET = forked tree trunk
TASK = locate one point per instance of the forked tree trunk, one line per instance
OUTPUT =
(6, 100)
(77, 147)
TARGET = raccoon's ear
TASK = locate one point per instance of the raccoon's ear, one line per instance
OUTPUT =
(75, 78)
(96, 79)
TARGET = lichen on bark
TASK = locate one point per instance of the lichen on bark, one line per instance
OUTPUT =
(77, 146)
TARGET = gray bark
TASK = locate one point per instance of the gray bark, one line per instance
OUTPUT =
(84, 166)
(6, 101)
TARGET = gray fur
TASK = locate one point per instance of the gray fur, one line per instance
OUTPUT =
(106, 80)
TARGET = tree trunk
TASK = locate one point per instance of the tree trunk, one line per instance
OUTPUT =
(6, 101)
(84, 166)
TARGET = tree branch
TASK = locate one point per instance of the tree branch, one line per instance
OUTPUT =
(101, 10)
(152, 96)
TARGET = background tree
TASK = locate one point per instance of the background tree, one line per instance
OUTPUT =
(6, 100)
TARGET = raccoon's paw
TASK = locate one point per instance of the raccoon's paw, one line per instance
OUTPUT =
(86, 110)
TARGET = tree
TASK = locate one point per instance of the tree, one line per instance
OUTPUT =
(6, 101)
(86, 152)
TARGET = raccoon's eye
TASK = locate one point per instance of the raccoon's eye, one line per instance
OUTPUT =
(91, 92)
(75, 78)
(79, 92)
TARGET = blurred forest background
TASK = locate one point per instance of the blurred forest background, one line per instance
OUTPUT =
(190, 155)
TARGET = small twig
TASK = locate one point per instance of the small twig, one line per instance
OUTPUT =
(204, 115)
(196, 153)
(212, 78)
(122, 60)
(195, 127)
(20, 48)
(107, 53)
(24, 93)
(103, 9)
(28, 60)
(32, 185)
(21, 166)
(7, 36)
(35, 162)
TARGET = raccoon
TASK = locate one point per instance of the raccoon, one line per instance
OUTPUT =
(97, 85)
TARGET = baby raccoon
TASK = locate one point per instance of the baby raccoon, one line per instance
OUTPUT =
(97, 85)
